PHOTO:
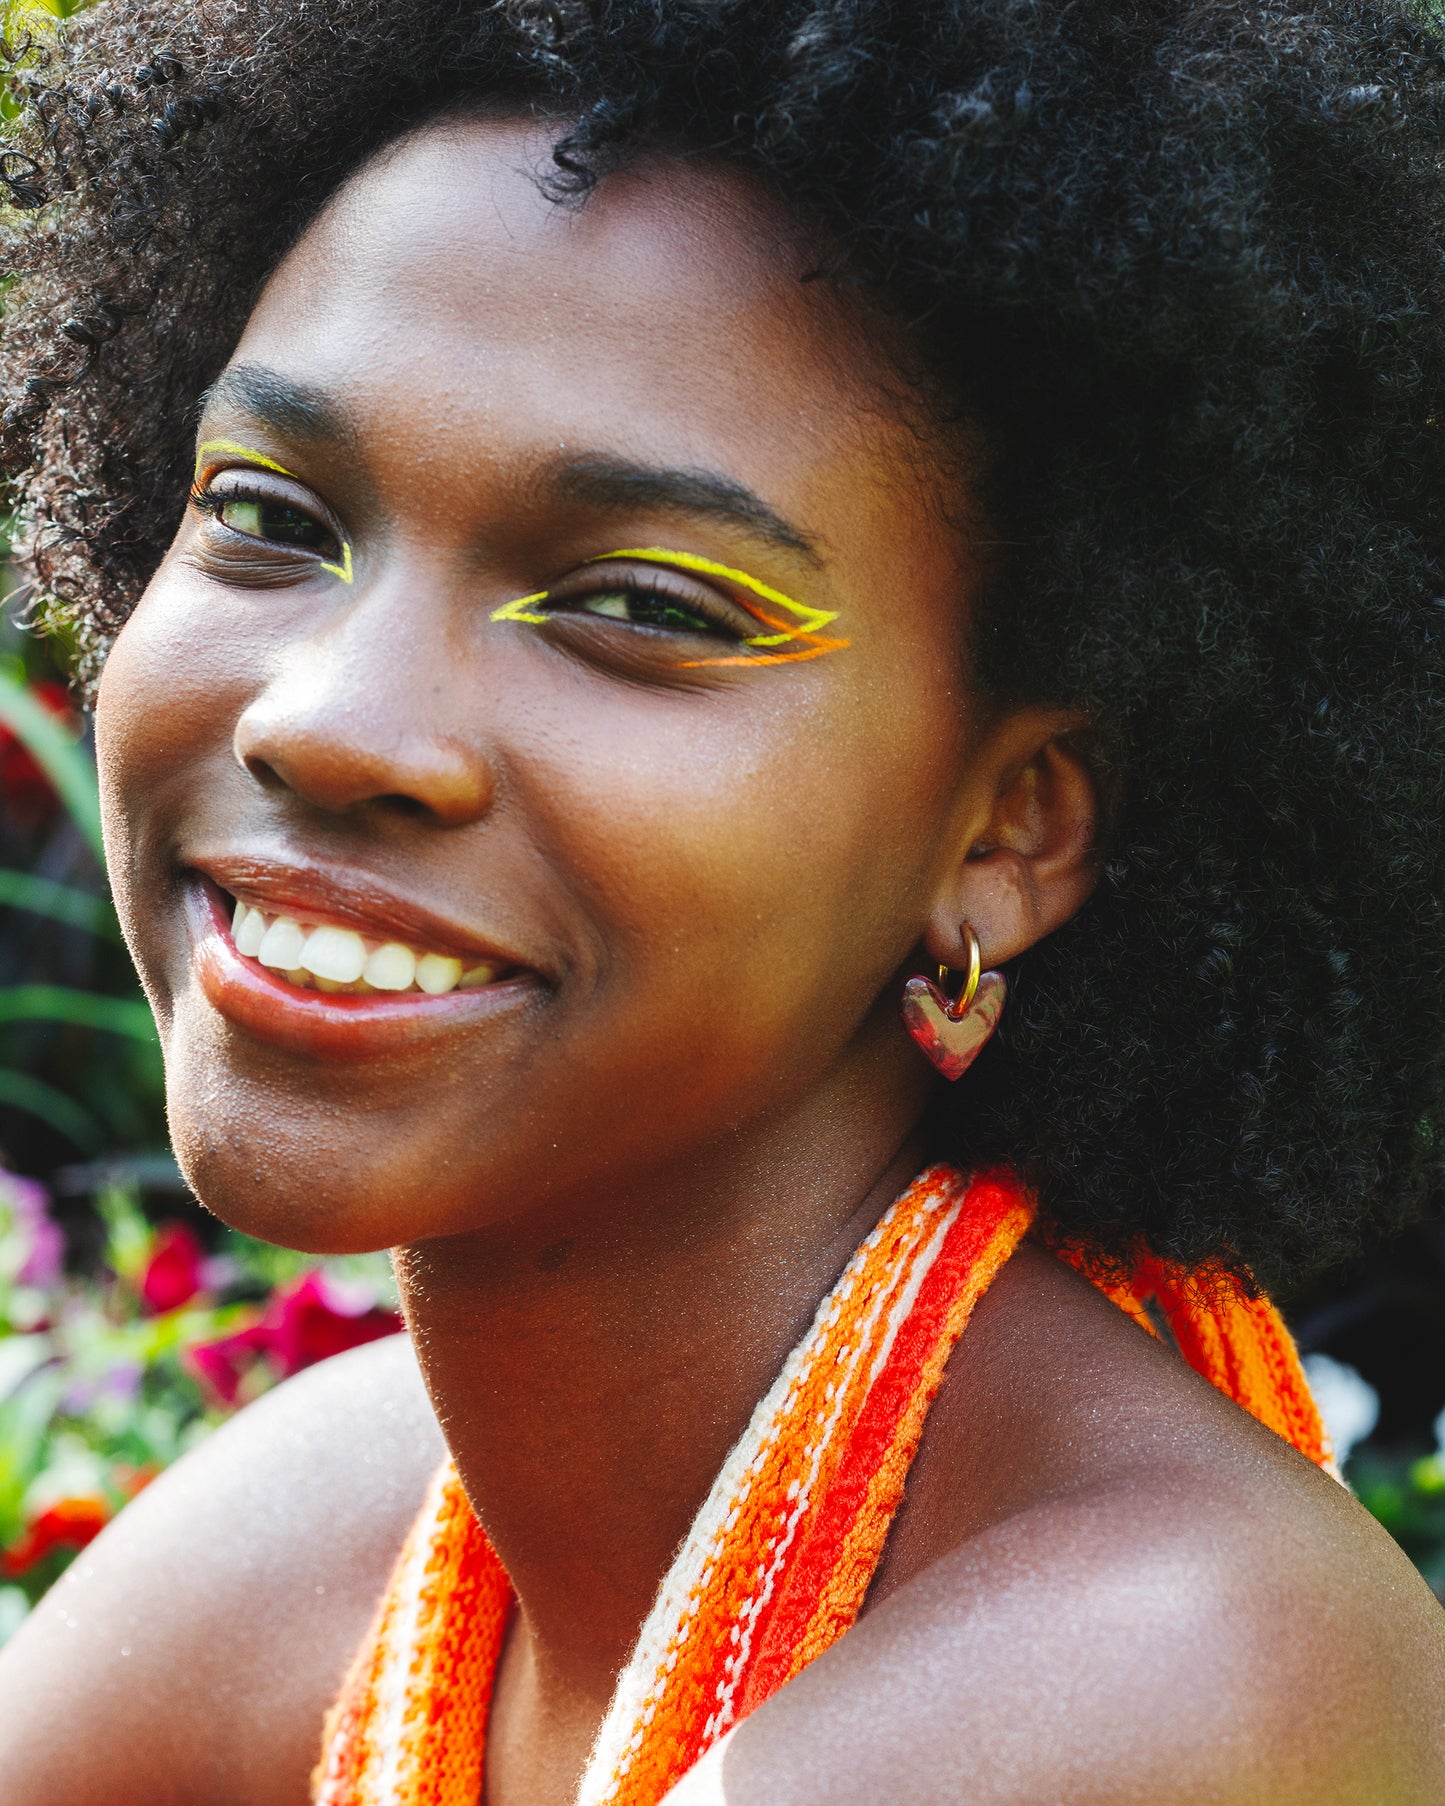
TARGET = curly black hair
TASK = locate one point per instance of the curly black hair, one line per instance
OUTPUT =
(1182, 259)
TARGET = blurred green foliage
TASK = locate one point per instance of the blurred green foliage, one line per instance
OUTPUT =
(24, 22)
(79, 1055)
(1407, 1494)
(113, 1364)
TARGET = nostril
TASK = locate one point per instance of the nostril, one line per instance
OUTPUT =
(265, 774)
(338, 759)
(401, 804)
(395, 802)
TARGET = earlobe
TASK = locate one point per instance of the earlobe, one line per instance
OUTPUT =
(1031, 862)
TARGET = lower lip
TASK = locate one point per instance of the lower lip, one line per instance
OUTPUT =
(327, 1026)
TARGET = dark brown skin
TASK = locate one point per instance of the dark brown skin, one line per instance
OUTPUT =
(620, 1190)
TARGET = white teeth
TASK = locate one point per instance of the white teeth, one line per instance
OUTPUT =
(327, 958)
(281, 944)
(391, 968)
(436, 974)
(334, 953)
(250, 931)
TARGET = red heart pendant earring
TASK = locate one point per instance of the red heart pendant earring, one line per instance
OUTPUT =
(953, 1034)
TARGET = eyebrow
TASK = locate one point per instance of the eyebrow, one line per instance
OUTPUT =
(600, 481)
(594, 479)
(295, 410)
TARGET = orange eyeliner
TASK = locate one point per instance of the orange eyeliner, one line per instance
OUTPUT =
(802, 634)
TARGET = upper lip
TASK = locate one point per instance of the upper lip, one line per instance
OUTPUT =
(353, 898)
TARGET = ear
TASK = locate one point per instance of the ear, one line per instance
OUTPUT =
(1024, 841)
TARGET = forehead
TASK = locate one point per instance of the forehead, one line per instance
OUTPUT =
(675, 297)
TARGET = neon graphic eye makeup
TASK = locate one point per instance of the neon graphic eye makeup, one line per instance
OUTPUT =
(230, 448)
(522, 610)
(799, 628)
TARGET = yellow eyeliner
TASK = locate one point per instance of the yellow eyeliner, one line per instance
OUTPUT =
(810, 620)
(230, 448)
(804, 634)
(342, 570)
(517, 611)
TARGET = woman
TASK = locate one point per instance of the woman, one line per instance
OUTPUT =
(700, 517)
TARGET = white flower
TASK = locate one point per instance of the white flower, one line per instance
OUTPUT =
(1348, 1402)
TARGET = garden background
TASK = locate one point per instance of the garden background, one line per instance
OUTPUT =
(131, 1323)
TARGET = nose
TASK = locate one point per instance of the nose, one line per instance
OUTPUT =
(342, 728)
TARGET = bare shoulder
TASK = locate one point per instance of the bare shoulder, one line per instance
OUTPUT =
(1062, 1660)
(1111, 1585)
(189, 1655)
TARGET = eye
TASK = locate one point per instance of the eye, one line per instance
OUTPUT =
(254, 511)
(656, 600)
(662, 601)
(647, 605)
(264, 517)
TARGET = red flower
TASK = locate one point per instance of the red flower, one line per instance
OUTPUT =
(316, 1318)
(172, 1275)
(25, 788)
(67, 1524)
(305, 1322)
(222, 1366)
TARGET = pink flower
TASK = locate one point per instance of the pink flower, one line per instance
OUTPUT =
(308, 1321)
(172, 1275)
(317, 1317)
(222, 1366)
(25, 1201)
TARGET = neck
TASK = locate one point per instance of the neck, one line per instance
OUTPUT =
(591, 1372)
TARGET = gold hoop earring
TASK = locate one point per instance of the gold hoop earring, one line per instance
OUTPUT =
(954, 1033)
(969, 989)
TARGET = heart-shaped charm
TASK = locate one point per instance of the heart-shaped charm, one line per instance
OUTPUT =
(953, 1046)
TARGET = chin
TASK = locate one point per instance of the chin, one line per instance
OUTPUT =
(319, 1175)
(285, 1200)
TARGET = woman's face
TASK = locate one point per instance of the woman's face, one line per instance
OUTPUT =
(564, 604)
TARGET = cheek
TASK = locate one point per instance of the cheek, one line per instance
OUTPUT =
(761, 856)
(171, 690)
(163, 689)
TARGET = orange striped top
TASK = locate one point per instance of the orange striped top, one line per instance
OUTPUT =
(781, 1554)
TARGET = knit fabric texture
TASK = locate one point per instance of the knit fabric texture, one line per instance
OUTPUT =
(780, 1557)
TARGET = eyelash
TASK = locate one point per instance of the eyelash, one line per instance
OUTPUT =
(651, 589)
(207, 502)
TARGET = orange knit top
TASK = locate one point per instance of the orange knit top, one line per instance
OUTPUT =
(779, 1558)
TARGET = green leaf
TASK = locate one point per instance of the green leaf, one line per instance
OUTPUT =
(61, 902)
(14, 1609)
(25, 1421)
(19, 1091)
(59, 755)
(129, 1236)
(59, 1003)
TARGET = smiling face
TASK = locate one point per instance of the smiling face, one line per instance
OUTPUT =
(560, 662)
